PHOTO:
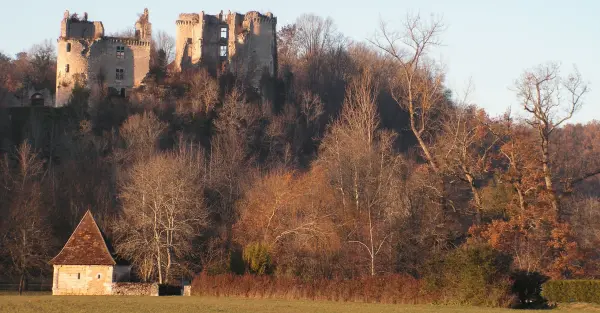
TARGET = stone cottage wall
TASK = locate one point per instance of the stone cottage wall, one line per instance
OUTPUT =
(82, 280)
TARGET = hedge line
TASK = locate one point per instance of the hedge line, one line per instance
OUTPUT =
(572, 291)
(382, 289)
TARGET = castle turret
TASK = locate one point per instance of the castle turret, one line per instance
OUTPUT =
(143, 27)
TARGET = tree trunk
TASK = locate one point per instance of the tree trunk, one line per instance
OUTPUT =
(548, 176)
(21, 282)
(476, 198)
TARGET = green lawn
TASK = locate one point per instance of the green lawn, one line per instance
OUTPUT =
(89, 304)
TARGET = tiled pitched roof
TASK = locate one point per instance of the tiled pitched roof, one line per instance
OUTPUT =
(86, 246)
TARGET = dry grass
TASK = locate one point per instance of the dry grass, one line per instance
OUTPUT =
(89, 304)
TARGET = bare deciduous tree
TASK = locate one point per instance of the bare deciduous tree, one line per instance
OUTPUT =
(365, 171)
(166, 43)
(417, 86)
(163, 211)
(141, 133)
(549, 100)
(25, 234)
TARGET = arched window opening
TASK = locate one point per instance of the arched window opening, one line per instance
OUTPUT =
(37, 99)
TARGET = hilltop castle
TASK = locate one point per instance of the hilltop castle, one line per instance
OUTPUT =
(87, 56)
(245, 45)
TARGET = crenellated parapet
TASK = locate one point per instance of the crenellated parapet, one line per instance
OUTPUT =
(257, 17)
(127, 41)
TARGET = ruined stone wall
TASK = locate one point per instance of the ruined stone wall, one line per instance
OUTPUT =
(211, 42)
(187, 25)
(250, 43)
(255, 49)
(135, 289)
(82, 280)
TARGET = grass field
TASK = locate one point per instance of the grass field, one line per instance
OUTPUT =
(89, 304)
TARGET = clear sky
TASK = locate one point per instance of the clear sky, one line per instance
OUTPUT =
(487, 42)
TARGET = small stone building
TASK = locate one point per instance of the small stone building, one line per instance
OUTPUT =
(85, 265)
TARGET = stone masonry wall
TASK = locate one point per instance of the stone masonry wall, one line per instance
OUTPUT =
(135, 289)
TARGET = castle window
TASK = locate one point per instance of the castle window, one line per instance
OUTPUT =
(120, 52)
(78, 275)
(120, 74)
(67, 68)
(99, 276)
(223, 32)
(223, 51)
(68, 47)
(189, 41)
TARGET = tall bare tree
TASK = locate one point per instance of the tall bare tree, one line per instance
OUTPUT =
(549, 100)
(365, 171)
(417, 86)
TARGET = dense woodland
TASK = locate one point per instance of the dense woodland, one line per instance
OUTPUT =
(356, 160)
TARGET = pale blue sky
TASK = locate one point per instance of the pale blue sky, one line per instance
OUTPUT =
(489, 42)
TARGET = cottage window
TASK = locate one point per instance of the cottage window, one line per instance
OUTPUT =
(223, 32)
(120, 74)
(67, 68)
(68, 47)
(223, 51)
(120, 52)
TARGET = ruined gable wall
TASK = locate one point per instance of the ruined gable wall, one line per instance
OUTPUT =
(82, 280)
(254, 49)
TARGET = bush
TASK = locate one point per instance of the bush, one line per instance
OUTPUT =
(379, 289)
(472, 275)
(572, 291)
(258, 259)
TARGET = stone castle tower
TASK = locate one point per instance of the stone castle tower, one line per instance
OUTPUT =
(88, 57)
(244, 44)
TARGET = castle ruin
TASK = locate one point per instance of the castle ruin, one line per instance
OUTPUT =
(243, 44)
(88, 57)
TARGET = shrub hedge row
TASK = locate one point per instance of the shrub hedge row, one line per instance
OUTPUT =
(382, 289)
(572, 291)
